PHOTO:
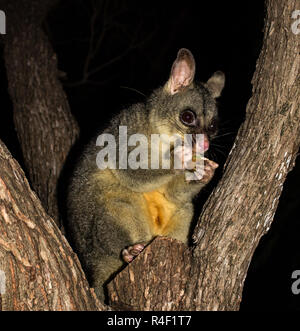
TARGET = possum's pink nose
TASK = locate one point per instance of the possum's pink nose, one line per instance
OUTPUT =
(203, 144)
(206, 143)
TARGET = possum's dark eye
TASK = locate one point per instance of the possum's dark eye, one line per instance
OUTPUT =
(188, 117)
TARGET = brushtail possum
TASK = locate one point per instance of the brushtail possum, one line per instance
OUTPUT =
(114, 212)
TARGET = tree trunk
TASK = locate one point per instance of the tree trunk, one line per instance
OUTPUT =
(38, 269)
(45, 126)
(241, 209)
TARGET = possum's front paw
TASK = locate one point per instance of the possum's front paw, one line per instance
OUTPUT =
(129, 253)
(209, 171)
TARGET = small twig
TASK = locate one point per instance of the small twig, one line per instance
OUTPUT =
(133, 89)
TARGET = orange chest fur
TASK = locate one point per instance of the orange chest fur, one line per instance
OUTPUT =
(160, 212)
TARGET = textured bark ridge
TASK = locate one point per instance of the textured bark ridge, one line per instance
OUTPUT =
(45, 126)
(41, 272)
(155, 280)
(242, 207)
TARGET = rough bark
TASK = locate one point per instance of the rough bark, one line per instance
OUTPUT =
(241, 209)
(155, 279)
(41, 271)
(45, 126)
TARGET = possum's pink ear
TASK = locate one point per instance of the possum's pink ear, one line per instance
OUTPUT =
(182, 73)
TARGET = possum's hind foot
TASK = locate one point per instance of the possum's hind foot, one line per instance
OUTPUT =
(129, 253)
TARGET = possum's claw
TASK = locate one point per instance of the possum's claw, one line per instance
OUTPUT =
(129, 253)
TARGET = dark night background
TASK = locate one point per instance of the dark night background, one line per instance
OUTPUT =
(137, 42)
